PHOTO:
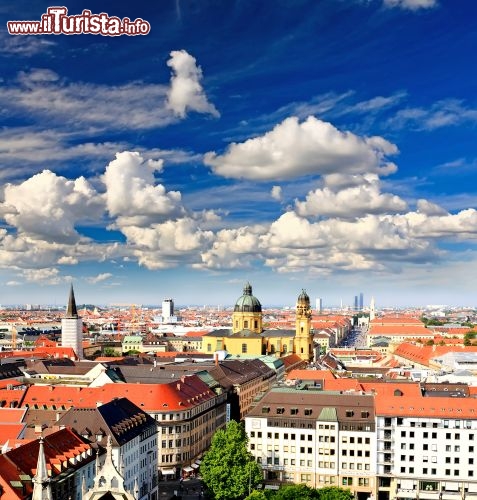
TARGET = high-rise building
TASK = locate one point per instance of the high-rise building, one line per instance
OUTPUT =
(361, 301)
(167, 309)
(355, 302)
(72, 327)
(319, 305)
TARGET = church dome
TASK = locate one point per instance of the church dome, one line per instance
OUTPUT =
(247, 302)
(303, 297)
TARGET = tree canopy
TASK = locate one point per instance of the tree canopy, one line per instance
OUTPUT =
(302, 492)
(228, 469)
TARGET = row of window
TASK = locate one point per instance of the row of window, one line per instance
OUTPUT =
(433, 471)
(309, 437)
(351, 465)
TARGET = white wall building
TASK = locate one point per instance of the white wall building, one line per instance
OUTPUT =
(317, 438)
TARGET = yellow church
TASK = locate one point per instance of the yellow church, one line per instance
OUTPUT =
(247, 336)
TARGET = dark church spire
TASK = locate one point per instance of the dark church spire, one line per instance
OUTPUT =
(71, 311)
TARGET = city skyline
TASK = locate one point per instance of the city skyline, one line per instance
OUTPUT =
(326, 145)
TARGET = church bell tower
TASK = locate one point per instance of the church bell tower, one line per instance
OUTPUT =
(303, 335)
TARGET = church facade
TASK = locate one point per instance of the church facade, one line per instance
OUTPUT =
(248, 337)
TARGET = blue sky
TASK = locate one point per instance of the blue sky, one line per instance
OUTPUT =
(328, 145)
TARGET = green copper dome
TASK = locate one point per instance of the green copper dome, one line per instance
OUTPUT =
(247, 302)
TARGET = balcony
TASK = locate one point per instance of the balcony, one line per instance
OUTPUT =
(385, 458)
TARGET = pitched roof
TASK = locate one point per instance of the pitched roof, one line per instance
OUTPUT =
(187, 392)
(18, 466)
(119, 418)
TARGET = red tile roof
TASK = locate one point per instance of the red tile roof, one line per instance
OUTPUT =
(187, 392)
(310, 375)
(422, 354)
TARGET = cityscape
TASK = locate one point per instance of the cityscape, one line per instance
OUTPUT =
(238, 250)
(124, 402)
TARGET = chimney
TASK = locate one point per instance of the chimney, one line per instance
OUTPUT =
(216, 359)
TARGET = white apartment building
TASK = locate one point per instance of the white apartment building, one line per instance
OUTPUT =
(427, 448)
(317, 438)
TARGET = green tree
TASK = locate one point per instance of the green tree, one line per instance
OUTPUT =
(297, 492)
(228, 469)
(257, 495)
(335, 493)
(110, 352)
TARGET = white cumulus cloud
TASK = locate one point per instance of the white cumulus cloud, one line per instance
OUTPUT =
(352, 202)
(132, 195)
(186, 92)
(295, 149)
(276, 193)
(47, 206)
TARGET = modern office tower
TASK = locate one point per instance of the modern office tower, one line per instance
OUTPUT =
(167, 309)
(72, 327)
(319, 305)
(355, 302)
(361, 301)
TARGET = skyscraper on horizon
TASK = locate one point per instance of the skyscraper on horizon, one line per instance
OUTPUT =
(319, 305)
(361, 301)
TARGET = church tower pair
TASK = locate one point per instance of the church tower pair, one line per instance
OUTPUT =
(247, 318)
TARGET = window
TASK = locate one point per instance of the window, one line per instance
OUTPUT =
(347, 481)
(265, 409)
(349, 414)
(308, 411)
(294, 411)
(280, 411)
(244, 348)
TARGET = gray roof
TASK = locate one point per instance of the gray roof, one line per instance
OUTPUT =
(120, 418)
